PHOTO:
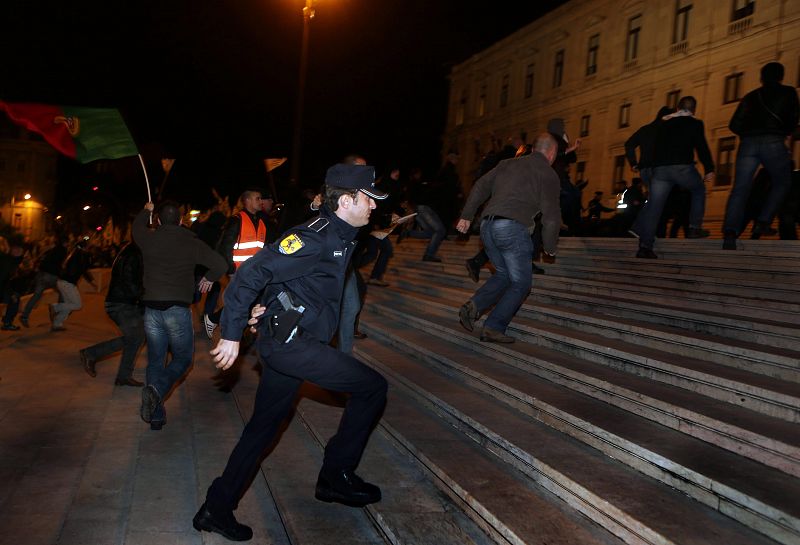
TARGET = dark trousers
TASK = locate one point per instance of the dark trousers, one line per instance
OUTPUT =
(130, 321)
(286, 367)
(381, 251)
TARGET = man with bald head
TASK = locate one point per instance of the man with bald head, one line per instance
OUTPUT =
(518, 190)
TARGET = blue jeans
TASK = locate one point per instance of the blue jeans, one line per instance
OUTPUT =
(380, 249)
(430, 226)
(767, 150)
(43, 281)
(661, 184)
(130, 322)
(167, 330)
(510, 250)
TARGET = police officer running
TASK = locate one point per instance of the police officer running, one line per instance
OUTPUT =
(302, 276)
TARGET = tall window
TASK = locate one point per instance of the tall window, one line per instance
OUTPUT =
(462, 105)
(504, 92)
(632, 44)
(529, 81)
(585, 125)
(558, 68)
(733, 88)
(625, 115)
(742, 9)
(680, 32)
(482, 101)
(591, 57)
(725, 161)
(672, 98)
(580, 171)
(618, 178)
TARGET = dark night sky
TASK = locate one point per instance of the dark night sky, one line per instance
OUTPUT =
(215, 82)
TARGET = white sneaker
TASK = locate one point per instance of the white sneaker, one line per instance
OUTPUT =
(210, 326)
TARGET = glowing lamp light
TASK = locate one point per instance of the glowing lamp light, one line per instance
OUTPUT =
(95, 188)
(87, 207)
(98, 228)
(58, 217)
(27, 196)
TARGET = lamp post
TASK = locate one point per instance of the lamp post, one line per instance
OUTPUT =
(308, 14)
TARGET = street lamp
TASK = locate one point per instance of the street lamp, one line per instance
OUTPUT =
(308, 14)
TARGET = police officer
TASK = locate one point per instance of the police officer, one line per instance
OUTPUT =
(302, 277)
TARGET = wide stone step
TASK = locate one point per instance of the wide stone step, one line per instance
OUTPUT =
(765, 439)
(778, 311)
(764, 394)
(753, 494)
(757, 346)
(785, 275)
(635, 508)
(738, 284)
(754, 340)
(452, 272)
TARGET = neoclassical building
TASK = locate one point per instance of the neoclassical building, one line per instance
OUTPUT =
(607, 66)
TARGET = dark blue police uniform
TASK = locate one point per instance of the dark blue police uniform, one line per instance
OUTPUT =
(309, 263)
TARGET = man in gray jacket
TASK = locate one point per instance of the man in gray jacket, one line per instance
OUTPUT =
(170, 253)
(518, 190)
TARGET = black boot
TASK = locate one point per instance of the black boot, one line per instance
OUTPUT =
(729, 242)
(225, 525)
(345, 487)
(761, 228)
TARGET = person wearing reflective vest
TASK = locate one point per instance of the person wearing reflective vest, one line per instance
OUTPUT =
(243, 236)
(251, 238)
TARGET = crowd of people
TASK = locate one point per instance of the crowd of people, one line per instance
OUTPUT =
(296, 290)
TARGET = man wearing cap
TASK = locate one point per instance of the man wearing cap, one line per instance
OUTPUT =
(302, 278)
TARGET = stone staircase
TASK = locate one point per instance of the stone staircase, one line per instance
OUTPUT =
(644, 401)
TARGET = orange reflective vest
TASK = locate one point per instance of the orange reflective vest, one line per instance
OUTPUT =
(251, 239)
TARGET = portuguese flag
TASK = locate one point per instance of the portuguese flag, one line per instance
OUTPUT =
(85, 134)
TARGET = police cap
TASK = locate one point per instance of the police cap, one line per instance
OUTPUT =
(360, 177)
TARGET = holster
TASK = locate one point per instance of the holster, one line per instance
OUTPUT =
(283, 325)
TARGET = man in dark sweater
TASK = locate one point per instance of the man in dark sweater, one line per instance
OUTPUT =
(123, 305)
(677, 139)
(763, 120)
(170, 254)
(518, 190)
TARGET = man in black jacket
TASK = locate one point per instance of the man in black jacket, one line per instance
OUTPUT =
(302, 277)
(123, 305)
(677, 139)
(763, 120)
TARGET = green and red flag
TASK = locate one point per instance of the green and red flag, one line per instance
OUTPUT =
(85, 134)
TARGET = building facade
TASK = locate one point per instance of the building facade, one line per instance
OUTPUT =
(606, 67)
(27, 169)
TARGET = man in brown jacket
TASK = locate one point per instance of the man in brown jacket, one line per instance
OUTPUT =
(518, 190)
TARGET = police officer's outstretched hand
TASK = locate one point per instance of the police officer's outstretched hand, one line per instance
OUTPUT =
(225, 353)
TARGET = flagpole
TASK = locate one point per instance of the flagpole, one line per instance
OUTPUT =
(147, 184)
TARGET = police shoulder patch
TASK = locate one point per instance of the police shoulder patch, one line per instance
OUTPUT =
(291, 244)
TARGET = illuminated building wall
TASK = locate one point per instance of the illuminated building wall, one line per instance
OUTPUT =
(607, 66)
